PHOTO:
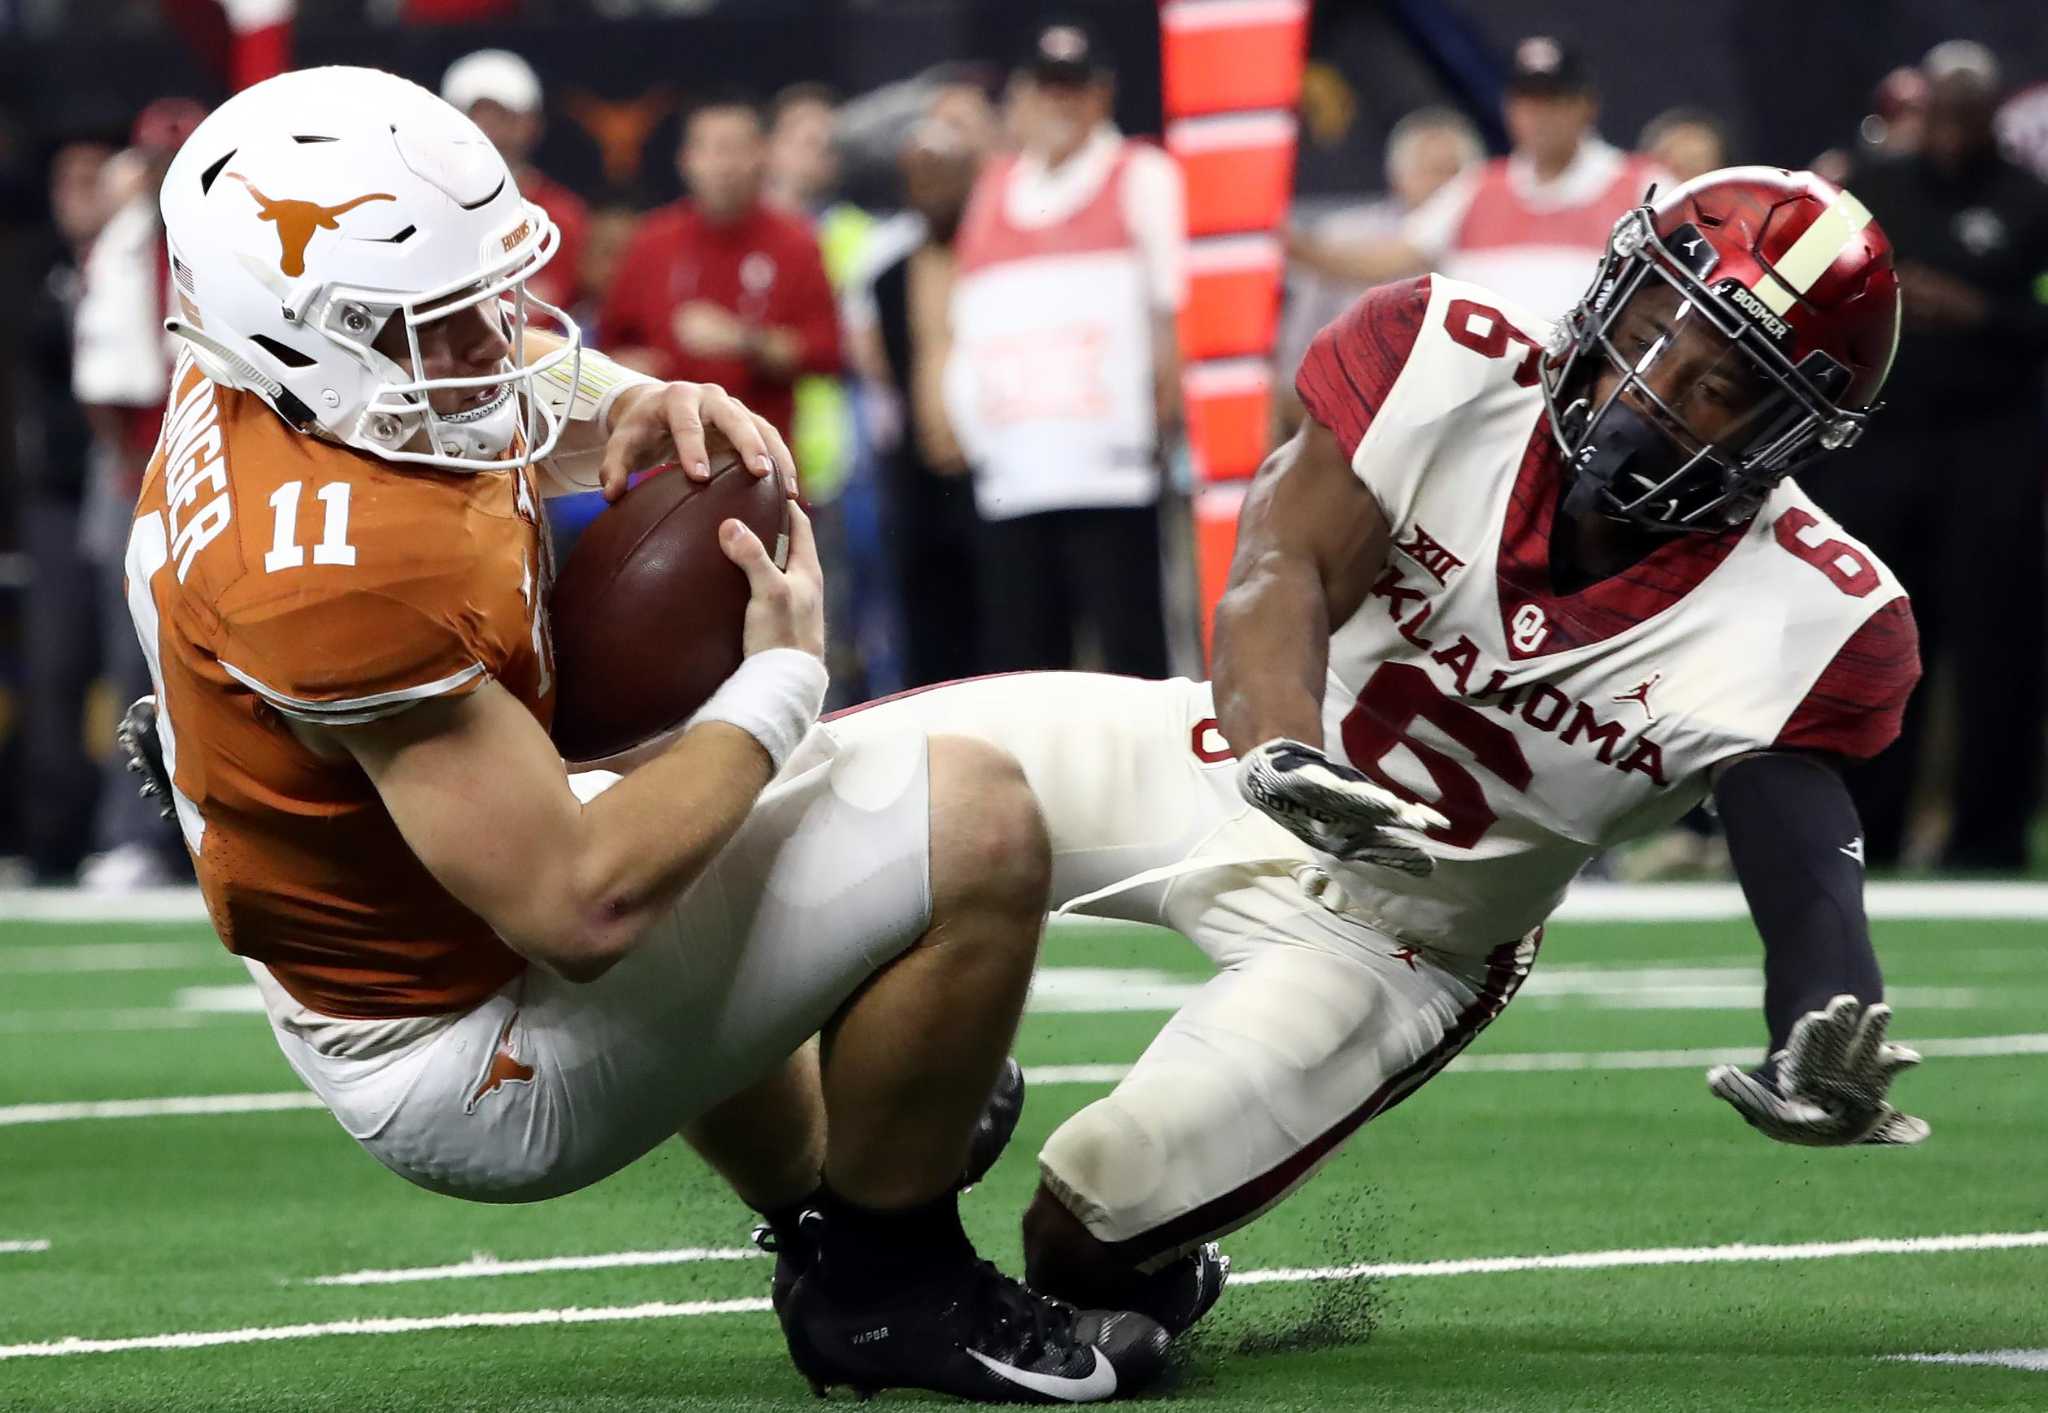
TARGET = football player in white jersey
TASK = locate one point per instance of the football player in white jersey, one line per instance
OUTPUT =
(1510, 597)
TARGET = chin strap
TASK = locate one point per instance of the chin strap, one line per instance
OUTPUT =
(224, 365)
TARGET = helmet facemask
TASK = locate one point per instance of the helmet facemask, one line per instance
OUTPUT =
(1642, 457)
(398, 420)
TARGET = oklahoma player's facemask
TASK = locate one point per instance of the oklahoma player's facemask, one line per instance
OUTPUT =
(313, 211)
(1737, 329)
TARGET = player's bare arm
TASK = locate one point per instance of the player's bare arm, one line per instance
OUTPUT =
(569, 885)
(1310, 541)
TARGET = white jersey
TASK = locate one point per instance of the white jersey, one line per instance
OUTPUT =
(1548, 726)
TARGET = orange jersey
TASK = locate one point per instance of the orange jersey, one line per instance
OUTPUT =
(273, 575)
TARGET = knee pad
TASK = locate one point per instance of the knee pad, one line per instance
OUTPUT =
(1154, 1151)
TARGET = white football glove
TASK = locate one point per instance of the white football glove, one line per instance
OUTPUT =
(1827, 1087)
(1335, 809)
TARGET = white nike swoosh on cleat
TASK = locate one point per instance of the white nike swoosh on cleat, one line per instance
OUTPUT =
(1100, 1383)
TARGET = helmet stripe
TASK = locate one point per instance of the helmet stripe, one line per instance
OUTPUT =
(1816, 249)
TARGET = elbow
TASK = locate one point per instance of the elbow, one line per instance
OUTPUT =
(584, 951)
(587, 931)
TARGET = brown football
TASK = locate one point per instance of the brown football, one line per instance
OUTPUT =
(648, 612)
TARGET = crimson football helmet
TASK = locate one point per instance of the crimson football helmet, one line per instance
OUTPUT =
(1794, 275)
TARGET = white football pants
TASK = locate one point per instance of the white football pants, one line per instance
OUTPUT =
(1316, 1021)
(550, 1085)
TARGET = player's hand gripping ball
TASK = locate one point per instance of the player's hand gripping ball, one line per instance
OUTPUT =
(649, 612)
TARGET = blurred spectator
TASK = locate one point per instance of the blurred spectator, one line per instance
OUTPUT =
(1015, 118)
(1529, 226)
(60, 639)
(1063, 381)
(502, 95)
(1947, 488)
(1892, 128)
(898, 332)
(803, 168)
(719, 288)
(610, 233)
(963, 106)
(1424, 151)
(120, 373)
(1686, 142)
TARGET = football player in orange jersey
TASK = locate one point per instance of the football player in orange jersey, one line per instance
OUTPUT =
(504, 981)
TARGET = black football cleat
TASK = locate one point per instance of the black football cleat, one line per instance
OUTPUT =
(1174, 1296)
(795, 1250)
(1182, 1291)
(971, 1332)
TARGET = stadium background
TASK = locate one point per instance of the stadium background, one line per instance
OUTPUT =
(1783, 93)
(1563, 1220)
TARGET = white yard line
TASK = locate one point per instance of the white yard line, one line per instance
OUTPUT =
(92, 1022)
(1491, 1265)
(1535, 1062)
(1066, 990)
(478, 1267)
(2032, 1360)
(114, 956)
(1891, 902)
(1540, 1061)
(22, 1248)
(182, 1106)
(77, 905)
(499, 1319)
(1656, 1256)
(1587, 902)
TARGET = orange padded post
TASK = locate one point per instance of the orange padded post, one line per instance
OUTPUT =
(1229, 407)
(1231, 72)
(1239, 169)
(1225, 56)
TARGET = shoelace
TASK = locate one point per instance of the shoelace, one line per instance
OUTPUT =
(1020, 1322)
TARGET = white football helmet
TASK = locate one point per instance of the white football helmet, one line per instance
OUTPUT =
(307, 212)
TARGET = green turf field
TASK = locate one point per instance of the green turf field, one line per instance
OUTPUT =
(185, 1224)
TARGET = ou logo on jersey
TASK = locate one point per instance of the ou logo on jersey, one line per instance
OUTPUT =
(1528, 628)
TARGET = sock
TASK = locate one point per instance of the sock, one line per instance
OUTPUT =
(865, 1252)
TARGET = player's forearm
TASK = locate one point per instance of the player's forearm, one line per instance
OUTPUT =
(1272, 644)
(654, 832)
(1795, 842)
(646, 840)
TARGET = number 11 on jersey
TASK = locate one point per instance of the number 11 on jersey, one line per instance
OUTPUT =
(333, 547)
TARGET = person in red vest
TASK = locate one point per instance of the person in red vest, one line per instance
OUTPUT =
(719, 287)
(1529, 226)
(1062, 380)
(501, 94)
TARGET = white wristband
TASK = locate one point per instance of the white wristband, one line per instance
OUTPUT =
(774, 697)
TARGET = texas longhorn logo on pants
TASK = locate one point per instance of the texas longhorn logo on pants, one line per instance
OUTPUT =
(502, 1069)
(297, 220)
